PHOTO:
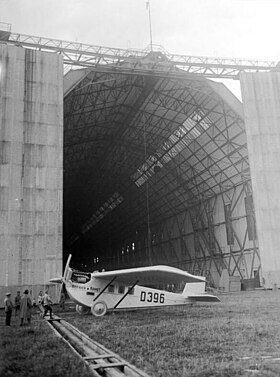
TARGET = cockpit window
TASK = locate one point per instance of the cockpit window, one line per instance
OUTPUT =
(131, 290)
(121, 289)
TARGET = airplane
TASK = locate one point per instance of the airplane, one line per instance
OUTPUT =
(130, 289)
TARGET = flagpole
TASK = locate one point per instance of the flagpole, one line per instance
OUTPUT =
(150, 24)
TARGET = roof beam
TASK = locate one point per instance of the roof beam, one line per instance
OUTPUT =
(111, 59)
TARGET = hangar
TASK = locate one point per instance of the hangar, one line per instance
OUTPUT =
(132, 158)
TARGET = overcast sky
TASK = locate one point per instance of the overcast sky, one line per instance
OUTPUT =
(218, 28)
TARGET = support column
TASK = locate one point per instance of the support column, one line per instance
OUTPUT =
(31, 151)
(261, 100)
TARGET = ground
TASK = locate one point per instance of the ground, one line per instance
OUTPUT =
(237, 337)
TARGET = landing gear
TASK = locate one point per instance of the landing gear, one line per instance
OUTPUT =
(82, 309)
(99, 309)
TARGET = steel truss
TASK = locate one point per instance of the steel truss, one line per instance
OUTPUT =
(163, 107)
(133, 106)
(194, 240)
(107, 59)
(209, 173)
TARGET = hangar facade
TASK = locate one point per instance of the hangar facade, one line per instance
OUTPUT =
(160, 165)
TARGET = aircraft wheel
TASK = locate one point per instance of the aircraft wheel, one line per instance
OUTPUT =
(82, 309)
(99, 309)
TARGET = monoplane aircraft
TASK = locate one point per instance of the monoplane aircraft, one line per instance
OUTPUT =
(131, 288)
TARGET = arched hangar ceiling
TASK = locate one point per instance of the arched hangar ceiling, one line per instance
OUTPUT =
(138, 145)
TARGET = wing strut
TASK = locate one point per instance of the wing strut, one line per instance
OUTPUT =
(124, 296)
(104, 289)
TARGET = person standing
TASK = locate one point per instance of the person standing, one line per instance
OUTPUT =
(8, 308)
(40, 299)
(17, 302)
(47, 302)
(25, 308)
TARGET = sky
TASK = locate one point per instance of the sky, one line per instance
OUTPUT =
(248, 29)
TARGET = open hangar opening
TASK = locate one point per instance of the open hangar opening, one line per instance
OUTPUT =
(156, 171)
(161, 165)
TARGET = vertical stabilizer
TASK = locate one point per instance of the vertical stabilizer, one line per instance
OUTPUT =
(194, 289)
(196, 292)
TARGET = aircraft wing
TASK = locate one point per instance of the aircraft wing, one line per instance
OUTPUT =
(149, 275)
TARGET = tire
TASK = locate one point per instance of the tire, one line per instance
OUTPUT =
(99, 309)
(82, 310)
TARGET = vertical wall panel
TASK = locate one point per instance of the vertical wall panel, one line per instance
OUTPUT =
(196, 240)
(31, 150)
(261, 99)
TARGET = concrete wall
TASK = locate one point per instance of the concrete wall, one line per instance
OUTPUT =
(261, 99)
(31, 151)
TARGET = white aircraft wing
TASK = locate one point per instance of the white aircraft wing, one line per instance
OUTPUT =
(149, 275)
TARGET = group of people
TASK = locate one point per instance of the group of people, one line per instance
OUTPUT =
(23, 306)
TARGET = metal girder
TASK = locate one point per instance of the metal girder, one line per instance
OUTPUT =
(193, 240)
(160, 108)
(106, 59)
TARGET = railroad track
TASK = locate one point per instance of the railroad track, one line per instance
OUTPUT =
(100, 360)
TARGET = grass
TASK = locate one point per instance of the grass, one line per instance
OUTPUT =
(36, 351)
(238, 337)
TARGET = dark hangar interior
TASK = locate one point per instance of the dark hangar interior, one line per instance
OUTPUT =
(141, 150)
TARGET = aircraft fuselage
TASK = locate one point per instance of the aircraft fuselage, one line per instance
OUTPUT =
(118, 296)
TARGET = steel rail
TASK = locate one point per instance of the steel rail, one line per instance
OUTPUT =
(86, 55)
(100, 360)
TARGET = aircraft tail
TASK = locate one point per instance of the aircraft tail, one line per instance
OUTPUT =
(192, 289)
(196, 291)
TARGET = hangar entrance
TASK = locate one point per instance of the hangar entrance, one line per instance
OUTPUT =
(156, 172)
(155, 163)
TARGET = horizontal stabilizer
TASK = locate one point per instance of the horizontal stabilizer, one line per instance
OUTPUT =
(205, 297)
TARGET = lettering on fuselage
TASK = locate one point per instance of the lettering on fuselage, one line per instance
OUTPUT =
(94, 289)
(78, 286)
(152, 297)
